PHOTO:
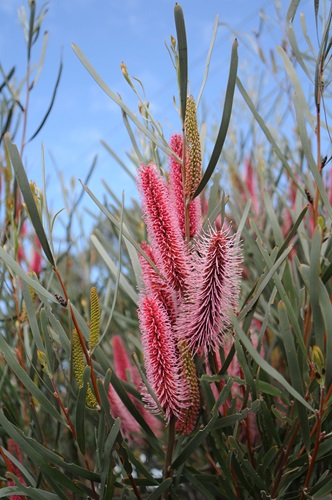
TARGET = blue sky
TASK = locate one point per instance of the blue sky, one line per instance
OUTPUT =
(109, 32)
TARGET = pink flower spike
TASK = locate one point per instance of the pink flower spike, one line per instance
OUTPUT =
(163, 229)
(155, 285)
(121, 361)
(206, 312)
(161, 359)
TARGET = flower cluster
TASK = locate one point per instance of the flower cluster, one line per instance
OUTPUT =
(190, 290)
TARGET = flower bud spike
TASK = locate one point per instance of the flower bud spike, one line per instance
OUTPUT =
(193, 171)
(94, 317)
(188, 417)
(79, 366)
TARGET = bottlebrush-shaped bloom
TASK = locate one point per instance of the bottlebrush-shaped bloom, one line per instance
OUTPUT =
(161, 360)
(15, 451)
(128, 372)
(205, 315)
(155, 285)
(177, 190)
(163, 228)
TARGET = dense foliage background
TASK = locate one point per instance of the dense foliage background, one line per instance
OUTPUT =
(73, 423)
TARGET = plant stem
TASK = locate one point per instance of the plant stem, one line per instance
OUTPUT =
(169, 452)
(312, 459)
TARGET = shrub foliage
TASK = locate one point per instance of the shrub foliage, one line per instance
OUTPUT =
(188, 350)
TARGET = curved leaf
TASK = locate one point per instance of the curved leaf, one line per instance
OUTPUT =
(183, 57)
(49, 109)
(226, 116)
(23, 182)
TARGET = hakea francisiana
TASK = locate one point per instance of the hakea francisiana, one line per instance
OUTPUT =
(205, 314)
(163, 228)
(156, 285)
(177, 191)
(161, 360)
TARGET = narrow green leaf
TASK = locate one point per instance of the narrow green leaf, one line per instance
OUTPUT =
(293, 230)
(291, 35)
(183, 57)
(32, 317)
(306, 36)
(80, 410)
(323, 57)
(26, 380)
(208, 59)
(134, 259)
(107, 476)
(157, 493)
(118, 160)
(230, 420)
(294, 370)
(57, 329)
(296, 50)
(22, 274)
(48, 343)
(326, 310)
(267, 388)
(265, 366)
(34, 493)
(132, 138)
(242, 221)
(270, 210)
(32, 6)
(226, 116)
(325, 490)
(32, 209)
(49, 109)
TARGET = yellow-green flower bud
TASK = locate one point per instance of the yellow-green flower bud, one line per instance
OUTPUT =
(94, 317)
(194, 166)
